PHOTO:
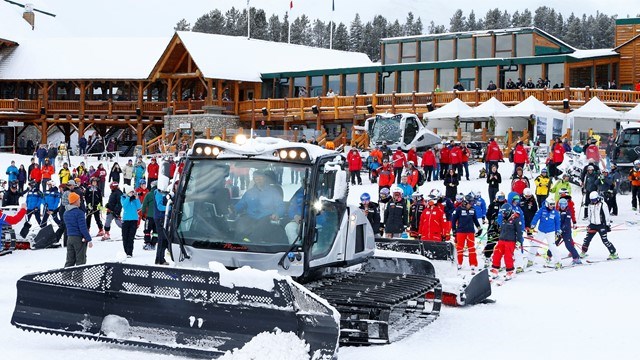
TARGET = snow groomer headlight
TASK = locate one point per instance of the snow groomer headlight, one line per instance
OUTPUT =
(207, 150)
(296, 154)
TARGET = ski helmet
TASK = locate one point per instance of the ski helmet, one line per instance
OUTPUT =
(563, 203)
(527, 192)
(459, 197)
(435, 193)
(478, 196)
(550, 202)
(563, 192)
(469, 198)
(594, 196)
(500, 196)
(636, 163)
(416, 196)
(506, 211)
(515, 199)
(397, 190)
(590, 167)
(384, 193)
(543, 171)
(365, 197)
(113, 185)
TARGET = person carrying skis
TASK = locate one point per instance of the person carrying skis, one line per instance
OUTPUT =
(519, 182)
(548, 231)
(93, 199)
(493, 179)
(462, 223)
(432, 222)
(417, 207)
(598, 223)
(529, 207)
(493, 230)
(543, 184)
(371, 211)
(510, 233)
(566, 220)
(51, 204)
(395, 215)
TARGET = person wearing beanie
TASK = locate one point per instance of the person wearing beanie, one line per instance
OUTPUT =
(130, 206)
(77, 232)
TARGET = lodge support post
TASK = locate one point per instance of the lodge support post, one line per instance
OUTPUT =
(139, 133)
(253, 113)
(318, 119)
(43, 129)
(219, 91)
(236, 97)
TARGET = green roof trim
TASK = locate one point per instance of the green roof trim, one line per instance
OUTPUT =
(628, 21)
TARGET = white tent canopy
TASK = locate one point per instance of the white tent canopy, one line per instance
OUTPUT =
(444, 117)
(633, 114)
(484, 111)
(593, 115)
(549, 122)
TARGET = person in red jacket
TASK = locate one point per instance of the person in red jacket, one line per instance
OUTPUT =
(412, 156)
(519, 182)
(493, 155)
(445, 160)
(428, 163)
(398, 160)
(152, 171)
(433, 222)
(455, 159)
(376, 152)
(520, 156)
(36, 175)
(172, 168)
(101, 174)
(385, 175)
(413, 174)
(355, 165)
(557, 158)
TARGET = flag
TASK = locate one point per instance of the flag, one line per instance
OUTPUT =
(333, 5)
(291, 5)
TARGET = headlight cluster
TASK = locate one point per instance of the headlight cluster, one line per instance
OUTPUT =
(292, 154)
(207, 150)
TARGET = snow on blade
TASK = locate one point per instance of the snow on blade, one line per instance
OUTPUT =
(245, 277)
(271, 345)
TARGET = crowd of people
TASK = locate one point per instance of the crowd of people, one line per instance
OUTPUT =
(539, 210)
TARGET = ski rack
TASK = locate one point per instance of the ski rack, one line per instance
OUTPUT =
(181, 310)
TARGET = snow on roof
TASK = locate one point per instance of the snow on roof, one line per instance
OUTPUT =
(449, 111)
(485, 110)
(81, 58)
(591, 53)
(249, 58)
(530, 106)
(595, 109)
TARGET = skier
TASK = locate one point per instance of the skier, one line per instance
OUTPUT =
(355, 165)
(383, 201)
(451, 184)
(493, 179)
(562, 184)
(418, 205)
(513, 199)
(566, 220)
(543, 183)
(510, 233)
(611, 194)
(529, 207)
(51, 204)
(549, 231)
(462, 222)
(35, 199)
(93, 199)
(397, 161)
(518, 181)
(520, 156)
(598, 223)
(371, 211)
(114, 207)
(433, 222)
(147, 211)
(385, 175)
(589, 185)
(480, 206)
(446, 205)
(634, 177)
(493, 230)
(130, 206)
(564, 194)
(395, 215)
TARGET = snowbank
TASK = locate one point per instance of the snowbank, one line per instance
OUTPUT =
(271, 345)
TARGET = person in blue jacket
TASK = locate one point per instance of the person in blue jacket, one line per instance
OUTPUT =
(35, 199)
(567, 230)
(12, 171)
(462, 223)
(130, 206)
(480, 206)
(51, 203)
(138, 171)
(548, 231)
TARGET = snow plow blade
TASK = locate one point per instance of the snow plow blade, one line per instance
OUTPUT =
(432, 250)
(181, 310)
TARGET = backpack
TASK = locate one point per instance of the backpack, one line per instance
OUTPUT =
(421, 177)
(511, 156)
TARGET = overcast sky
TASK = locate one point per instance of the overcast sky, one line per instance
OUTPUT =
(157, 17)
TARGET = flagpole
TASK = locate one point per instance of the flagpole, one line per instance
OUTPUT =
(333, 7)
(248, 20)
(289, 36)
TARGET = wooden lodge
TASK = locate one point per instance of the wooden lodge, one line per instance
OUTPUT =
(131, 84)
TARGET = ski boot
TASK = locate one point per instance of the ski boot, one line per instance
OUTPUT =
(510, 275)
(100, 233)
(146, 247)
(576, 262)
(583, 255)
(106, 236)
(519, 270)
(529, 263)
(558, 266)
(613, 256)
(459, 267)
(494, 273)
(473, 270)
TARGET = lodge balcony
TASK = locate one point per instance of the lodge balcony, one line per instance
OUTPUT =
(287, 111)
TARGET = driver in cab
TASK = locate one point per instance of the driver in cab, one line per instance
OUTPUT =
(262, 200)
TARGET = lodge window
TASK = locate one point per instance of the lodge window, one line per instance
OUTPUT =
(389, 82)
(504, 45)
(391, 53)
(488, 73)
(369, 83)
(465, 48)
(409, 52)
(445, 50)
(425, 80)
(483, 47)
(299, 87)
(316, 86)
(351, 84)
(467, 77)
(333, 83)
(555, 73)
(427, 51)
(524, 45)
(533, 72)
(406, 81)
(445, 79)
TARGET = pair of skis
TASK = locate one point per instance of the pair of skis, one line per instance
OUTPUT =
(548, 268)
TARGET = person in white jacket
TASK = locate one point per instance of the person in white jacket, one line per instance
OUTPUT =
(598, 223)
(127, 172)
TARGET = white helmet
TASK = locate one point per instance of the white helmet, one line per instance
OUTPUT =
(435, 193)
(594, 195)
(550, 202)
(527, 192)
(636, 162)
(396, 189)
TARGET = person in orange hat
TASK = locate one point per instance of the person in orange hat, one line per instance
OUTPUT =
(78, 234)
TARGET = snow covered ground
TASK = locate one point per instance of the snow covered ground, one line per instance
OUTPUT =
(584, 312)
